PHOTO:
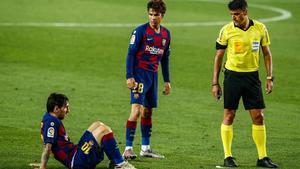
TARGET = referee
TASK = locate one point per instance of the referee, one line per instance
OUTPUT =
(242, 39)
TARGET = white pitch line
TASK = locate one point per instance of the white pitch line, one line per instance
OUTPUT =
(65, 24)
(284, 14)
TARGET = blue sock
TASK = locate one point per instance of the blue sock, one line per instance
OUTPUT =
(130, 132)
(111, 148)
(146, 127)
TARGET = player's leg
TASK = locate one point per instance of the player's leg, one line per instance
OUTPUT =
(146, 127)
(104, 136)
(89, 146)
(131, 129)
(150, 102)
(137, 101)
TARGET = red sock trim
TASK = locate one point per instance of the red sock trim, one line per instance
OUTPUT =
(131, 124)
(146, 121)
(108, 136)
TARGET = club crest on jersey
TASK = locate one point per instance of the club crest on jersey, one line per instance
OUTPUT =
(91, 142)
(50, 132)
(52, 124)
(136, 95)
(164, 42)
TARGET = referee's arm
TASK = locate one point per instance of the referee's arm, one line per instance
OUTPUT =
(269, 68)
(216, 89)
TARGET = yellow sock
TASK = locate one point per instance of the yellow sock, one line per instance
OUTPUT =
(227, 135)
(259, 137)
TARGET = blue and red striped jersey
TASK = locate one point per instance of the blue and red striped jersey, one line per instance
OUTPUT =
(147, 48)
(53, 132)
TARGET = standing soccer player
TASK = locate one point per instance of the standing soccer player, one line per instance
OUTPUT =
(149, 45)
(96, 140)
(243, 38)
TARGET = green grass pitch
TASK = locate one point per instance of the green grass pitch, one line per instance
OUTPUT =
(88, 65)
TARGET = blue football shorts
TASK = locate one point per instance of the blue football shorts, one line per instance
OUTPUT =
(88, 154)
(145, 92)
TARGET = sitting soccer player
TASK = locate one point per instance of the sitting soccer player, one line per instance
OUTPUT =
(97, 139)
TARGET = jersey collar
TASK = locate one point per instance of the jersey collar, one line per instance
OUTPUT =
(251, 23)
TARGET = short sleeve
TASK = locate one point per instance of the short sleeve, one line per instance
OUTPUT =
(222, 38)
(50, 131)
(265, 40)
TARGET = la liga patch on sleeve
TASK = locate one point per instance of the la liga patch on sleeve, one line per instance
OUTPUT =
(50, 132)
(132, 40)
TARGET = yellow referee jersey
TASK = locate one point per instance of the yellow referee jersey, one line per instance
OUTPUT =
(243, 46)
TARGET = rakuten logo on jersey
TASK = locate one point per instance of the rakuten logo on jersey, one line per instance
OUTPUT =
(154, 51)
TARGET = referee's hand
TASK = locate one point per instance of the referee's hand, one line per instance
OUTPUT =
(216, 91)
(269, 86)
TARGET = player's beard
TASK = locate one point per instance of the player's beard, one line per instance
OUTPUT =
(62, 116)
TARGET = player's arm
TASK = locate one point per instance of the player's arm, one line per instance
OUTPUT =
(269, 68)
(216, 88)
(165, 70)
(45, 155)
(134, 45)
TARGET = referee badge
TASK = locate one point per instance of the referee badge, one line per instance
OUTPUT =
(255, 46)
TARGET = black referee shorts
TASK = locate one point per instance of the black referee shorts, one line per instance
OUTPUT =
(242, 84)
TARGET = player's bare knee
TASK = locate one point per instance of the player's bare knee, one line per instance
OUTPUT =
(135, 113)
(101, 130)
(98, 127)
(107, 129)
(98, 123)
(103, 127)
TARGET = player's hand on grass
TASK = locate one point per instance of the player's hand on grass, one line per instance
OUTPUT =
(167, 88)
(216, 91)
(131, 83)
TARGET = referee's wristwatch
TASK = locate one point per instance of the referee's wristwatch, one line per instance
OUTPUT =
(270, 78)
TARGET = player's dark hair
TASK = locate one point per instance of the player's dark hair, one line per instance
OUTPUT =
(238, 4)
(157, 5)
(56, 99)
